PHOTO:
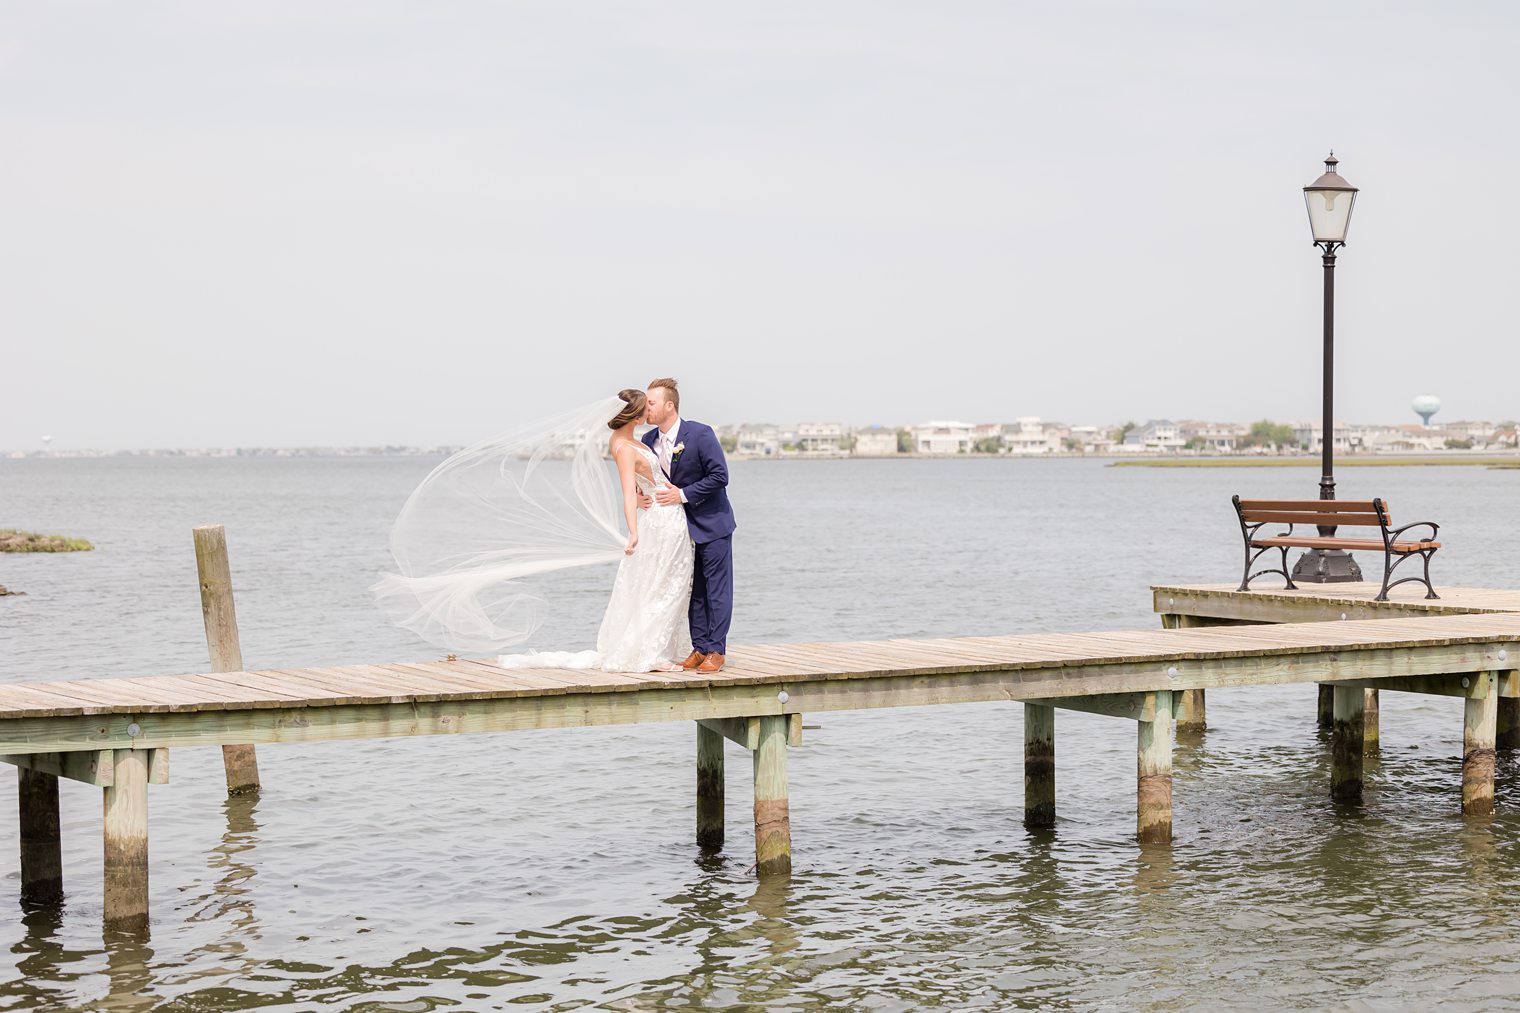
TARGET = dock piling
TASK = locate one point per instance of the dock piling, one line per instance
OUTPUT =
(1154, 762)
(126, 842)
(1371, 705)
(1346, 747)
(220, 615)
(710, 783)
(1325, 711)
(1507, 732)
(1194, 705)
(773, 827)
(41, 842)
(1479, 720)
(1039, 765)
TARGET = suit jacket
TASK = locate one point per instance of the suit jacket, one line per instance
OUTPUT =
(700, 471)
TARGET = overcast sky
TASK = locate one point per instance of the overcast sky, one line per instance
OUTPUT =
(359, 223)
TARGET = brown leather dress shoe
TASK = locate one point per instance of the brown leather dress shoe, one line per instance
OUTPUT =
(693, 659)
(712, 663)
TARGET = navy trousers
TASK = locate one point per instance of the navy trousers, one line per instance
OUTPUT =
(712, 595)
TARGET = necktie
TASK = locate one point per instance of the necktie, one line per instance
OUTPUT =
(665, 452)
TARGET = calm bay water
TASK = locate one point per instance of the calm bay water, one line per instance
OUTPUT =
(557, 869)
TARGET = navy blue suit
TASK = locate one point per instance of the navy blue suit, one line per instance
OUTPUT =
(701, 472)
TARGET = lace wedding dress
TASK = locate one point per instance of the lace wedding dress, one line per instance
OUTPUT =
(645, 626)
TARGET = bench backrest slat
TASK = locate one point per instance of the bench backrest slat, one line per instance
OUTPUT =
(1341, 513)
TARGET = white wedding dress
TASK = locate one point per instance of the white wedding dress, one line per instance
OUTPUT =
(645, 627)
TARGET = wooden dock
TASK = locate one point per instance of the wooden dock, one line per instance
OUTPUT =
(117, 734)
(1199, 605)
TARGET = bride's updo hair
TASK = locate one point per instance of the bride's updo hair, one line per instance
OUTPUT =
(633, 409)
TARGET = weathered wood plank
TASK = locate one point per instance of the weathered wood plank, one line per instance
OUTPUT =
(94, 767)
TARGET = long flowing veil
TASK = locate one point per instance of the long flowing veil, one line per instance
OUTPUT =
(526, 502)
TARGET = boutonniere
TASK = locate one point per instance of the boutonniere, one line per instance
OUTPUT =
(675, 451)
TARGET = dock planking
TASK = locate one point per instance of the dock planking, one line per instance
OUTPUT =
(115, 734)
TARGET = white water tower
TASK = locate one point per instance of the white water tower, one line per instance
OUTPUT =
(1426, 405)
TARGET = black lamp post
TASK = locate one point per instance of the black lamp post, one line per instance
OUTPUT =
(1329, 199)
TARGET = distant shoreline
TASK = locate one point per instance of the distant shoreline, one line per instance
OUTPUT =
(1146, 460)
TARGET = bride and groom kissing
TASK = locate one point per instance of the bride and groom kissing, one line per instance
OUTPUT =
(672, 598)
(475, 540)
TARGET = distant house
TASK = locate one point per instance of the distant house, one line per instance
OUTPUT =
(1216, 437)
(1092, 439)
(875, 441)
(1028, 435)
(821, 438)
(942, 438)
(1155, 435)
(758, 441)
(1311, 435)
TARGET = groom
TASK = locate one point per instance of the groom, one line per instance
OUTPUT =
(693, 461)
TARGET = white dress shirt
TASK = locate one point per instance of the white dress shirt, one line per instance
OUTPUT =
(666, 445)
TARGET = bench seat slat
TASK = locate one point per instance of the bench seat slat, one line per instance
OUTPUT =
(1328, 506)
(1312, 542)
(1305, 517)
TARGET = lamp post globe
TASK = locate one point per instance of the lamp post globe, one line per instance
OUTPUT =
(1329, 200)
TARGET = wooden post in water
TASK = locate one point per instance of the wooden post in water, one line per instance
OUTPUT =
(41, 843)
(126, 842)
(773, 826)
(1346, 744)
(709, 789)
(1326, 709)
(240, 761)
(1154, 756)
(1479, 720)
(1039, 765)
(1370, 707)
(1507, 733)
(1194, 716)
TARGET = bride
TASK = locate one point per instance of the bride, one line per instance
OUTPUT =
(510, 508)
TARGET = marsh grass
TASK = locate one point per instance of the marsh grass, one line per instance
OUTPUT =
(12, 540)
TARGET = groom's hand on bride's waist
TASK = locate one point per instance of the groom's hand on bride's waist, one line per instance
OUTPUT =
(669, 496)
(644, 501)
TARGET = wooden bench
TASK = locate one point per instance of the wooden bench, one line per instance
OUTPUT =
(1330, 514)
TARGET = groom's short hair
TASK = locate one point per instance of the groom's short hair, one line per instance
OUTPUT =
(669, 383)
